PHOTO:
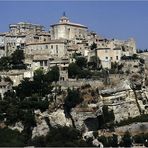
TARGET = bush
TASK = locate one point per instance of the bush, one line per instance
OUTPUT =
(108, 115)
(141, 118)
(72, 99)
(139, 138)
(53, 74)
(11, 138)
(73, 70)
(60, 137)
(126, 140)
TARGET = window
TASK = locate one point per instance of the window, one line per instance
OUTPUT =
(56, 46)
(116, 57)
(106, 58)
(51, 46)
(46, 46)
(111, 58)
(41, 63)
(45, 63)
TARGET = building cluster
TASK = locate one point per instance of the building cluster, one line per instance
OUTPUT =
(57, 46)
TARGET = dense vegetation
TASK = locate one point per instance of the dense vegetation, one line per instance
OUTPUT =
(57, 137)
(11, 138)
(107, 118)
(130, 120)
(78, 69)
(14, 61)
(72, 99)
(20, 103)
(61, 137)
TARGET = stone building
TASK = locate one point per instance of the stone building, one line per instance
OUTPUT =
(23, 27)
(40, 53)
(108, 55)
(17, 75)
(68, 30)
(109, 51)
(2, 44)
(63, 40)
(21, 33)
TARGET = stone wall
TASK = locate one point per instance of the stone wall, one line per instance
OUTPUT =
(17, 75)
(79, 83)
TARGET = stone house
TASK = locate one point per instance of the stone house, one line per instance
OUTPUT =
(107, 55)
(17, 75)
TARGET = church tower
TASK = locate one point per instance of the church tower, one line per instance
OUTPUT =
(64, 18)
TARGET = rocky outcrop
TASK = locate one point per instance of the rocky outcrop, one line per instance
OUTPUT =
(123, 100)
(58, 118)
(134, 129)
(40, 130)
(18, 126)
(42, 127)
(46, 120)
(85, 120)
(96, 143)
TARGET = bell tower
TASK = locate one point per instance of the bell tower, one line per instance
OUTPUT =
(64, 18)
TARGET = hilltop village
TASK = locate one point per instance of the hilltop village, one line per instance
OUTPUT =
(71, 79)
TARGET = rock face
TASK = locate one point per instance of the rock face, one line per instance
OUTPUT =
(87, 135)
(96, 143)
(135, 128)
(55, 118)
(42, 127)
(125, 106)
(58, 118)
(85, 120)
(124, 101)
(18, 126)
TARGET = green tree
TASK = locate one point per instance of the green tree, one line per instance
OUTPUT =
(25, 88)
(60, 137)
(126, 140)
(81, 62)
(85, 74)
(11, 138)
(53, 74)
(93, 46)
(41, 83)
(17, 59)
(5, 63)
(104, 140)
(114, 142)
(138, 138)
(73, 70)
(72, 99)
(108, 116)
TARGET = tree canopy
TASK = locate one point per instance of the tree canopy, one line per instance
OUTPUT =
(14, 61)
(53, 74)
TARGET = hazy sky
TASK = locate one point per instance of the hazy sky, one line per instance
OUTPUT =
(111, 19)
